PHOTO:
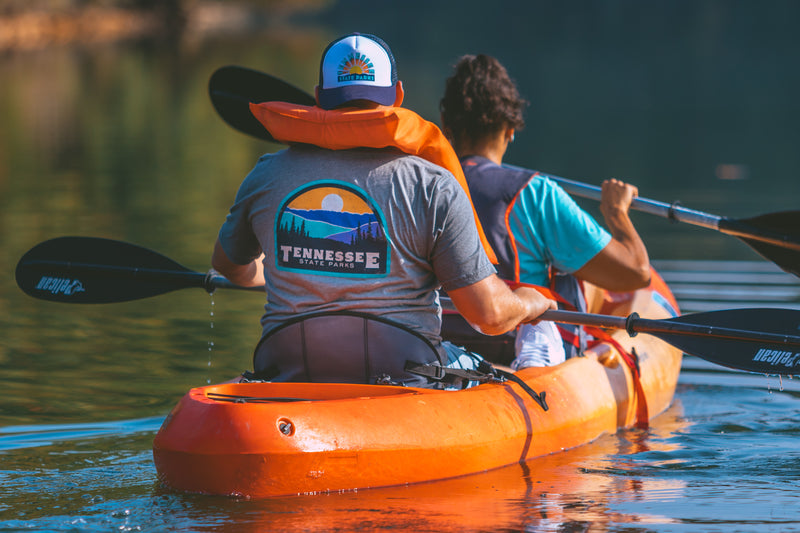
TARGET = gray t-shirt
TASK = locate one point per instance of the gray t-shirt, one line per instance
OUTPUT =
(375, 231)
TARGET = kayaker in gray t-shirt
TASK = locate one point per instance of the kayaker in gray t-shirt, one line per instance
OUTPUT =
(374, 231)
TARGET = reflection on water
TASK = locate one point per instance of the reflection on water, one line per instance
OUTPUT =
(564, 491)
(108, 480)
(695, 466)
(719, 445)
(14, 437)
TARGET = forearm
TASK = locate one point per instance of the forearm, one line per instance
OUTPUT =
(635, 257)
(249, 275)
(495, 315)
(493, 309)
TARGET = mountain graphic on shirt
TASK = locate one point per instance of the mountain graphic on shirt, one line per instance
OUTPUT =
(335, 225)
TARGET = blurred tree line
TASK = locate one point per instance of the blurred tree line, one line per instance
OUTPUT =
(34, 24)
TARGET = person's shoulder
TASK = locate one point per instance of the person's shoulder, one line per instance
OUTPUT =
(272, 156)
(545, 183)
(420, 164)
(529, 179)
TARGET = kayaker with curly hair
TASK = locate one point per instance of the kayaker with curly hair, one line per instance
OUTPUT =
(538, 232)
(339, 227)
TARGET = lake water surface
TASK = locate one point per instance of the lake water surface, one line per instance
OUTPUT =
(692, 101)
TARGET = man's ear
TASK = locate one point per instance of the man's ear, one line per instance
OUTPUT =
(508, 136)
(398, 100)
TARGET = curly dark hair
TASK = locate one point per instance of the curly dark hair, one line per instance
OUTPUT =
(480, 99)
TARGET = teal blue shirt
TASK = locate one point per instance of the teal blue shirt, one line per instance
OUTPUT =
(550, 229)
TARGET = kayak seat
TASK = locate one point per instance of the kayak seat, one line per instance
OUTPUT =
(343, 347)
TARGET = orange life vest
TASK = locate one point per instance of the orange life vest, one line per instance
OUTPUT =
(382, 127)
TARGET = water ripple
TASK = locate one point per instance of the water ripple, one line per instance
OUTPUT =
(19, 437)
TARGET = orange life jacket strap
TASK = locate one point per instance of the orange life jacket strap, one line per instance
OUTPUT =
(382, 127)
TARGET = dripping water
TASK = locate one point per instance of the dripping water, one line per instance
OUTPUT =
(211, 338)
(780, 382)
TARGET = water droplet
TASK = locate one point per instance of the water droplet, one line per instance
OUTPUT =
(212, 317)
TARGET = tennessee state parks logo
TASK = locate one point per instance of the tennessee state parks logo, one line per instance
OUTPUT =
(331, 228)
(356, 67)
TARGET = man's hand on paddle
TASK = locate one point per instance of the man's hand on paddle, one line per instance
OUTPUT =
(492, 308)
(536, 303)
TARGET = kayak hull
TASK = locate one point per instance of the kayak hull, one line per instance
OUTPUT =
(299, 438)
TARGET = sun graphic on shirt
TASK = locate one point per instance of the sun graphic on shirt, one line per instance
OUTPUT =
(335, 199)
(332, 202)
(355, 64)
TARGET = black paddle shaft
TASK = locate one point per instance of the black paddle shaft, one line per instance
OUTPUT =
(763, 340)
(775, 236)
(94, 270)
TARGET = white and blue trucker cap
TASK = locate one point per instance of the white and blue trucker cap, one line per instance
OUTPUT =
(357, 67)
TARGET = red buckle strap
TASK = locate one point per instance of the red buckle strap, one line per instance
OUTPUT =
(632, 360)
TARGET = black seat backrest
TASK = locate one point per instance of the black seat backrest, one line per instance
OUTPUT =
(343, 347)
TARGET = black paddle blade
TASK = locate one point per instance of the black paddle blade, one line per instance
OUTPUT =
(776, 236)
(233, 88)
(94, 270)
(764, 340)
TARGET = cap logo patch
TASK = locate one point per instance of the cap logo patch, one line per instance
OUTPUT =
(356, 67)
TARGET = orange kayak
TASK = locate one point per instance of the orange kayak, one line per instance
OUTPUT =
(262, 440)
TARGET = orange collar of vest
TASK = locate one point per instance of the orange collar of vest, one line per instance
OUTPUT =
(382, 127)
